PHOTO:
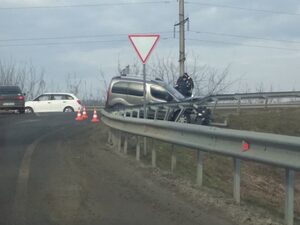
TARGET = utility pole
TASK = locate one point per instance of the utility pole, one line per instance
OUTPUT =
(181, 37)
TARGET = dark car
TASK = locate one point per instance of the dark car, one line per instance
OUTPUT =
(12, 98)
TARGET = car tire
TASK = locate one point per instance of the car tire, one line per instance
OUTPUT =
(184, 118)
(28, 110)
(68, 109)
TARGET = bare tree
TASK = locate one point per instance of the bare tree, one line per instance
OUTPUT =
(73, 84)
(26, 76)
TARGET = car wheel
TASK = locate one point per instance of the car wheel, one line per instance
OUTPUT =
(28, 110)
(184, 118)
(68, 109)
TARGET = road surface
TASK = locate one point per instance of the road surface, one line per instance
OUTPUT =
(55, 170)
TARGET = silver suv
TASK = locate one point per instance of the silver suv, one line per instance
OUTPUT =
(127, 91)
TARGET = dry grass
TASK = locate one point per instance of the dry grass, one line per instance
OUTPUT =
(260, 184)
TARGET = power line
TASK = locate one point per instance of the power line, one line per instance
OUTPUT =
(70, 43)
(85, 5)
(243, 8)
(61, 43)
(72, 37)
(245, 36)
(242, 44)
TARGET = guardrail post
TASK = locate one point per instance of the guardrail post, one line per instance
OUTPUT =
(199, 178)
(153, 158)
(239, 106)
(266, 102)
(167, 113)
(113, 138)
(215, 106)
(138, 148)
(145, 146)
(289, 197)
(138, 113)
(236, 180)
(125, 143)
(173, 158)
(109, 141)
(119, 141)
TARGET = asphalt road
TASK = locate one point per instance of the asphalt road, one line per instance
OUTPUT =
(55, 170)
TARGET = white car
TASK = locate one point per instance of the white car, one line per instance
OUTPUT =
(53, 102)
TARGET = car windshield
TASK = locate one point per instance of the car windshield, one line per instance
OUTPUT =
(173, 91)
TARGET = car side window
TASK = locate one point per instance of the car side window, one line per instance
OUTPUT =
(120, 88)
(136, 89)
(68, 97)
(160, 93)
(58, 97)
(43, 98)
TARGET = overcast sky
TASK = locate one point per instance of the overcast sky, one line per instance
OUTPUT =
(260, 39)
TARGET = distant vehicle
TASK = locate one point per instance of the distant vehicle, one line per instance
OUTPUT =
(53, 102)
(12, 98)
(127, 91)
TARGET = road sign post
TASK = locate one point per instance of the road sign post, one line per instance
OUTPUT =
(144, 44)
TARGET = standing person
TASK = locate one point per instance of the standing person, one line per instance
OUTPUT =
(185, 85)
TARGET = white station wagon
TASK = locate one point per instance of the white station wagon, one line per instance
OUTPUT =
(53, 102)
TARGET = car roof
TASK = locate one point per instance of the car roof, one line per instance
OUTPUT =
(9, 86)
(138, 79)
(58, 93)
(14, 88)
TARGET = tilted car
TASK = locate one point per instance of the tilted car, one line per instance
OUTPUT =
(54, 102)
(12, 98)
(129, 91)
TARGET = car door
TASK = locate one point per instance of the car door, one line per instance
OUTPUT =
(159, 94)
(135, 93)
(42, 103)
(58, 102)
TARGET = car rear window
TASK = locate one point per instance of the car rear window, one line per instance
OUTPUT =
(10, 90)
(120, 88)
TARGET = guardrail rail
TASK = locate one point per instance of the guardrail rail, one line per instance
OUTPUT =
(279, 150)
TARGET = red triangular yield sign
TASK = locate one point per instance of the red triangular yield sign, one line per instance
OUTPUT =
(143, 44)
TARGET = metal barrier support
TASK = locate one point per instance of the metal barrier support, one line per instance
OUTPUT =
(145, 145)
(119, 141)
(113, 138)
(109, 141)
(199, 178)
(138, 148)
(236, 180)
(289, 197)
(173, 158)
(125, 143)
(153, 157)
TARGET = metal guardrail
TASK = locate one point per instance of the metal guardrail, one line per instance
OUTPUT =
(279, 150)
(215, 101)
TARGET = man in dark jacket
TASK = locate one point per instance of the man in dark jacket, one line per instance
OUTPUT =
(185, 85)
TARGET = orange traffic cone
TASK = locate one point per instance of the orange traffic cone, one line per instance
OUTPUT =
(78, 117)
(95, 117)
(84, 114)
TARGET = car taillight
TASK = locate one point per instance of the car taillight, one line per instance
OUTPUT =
(79, 102)
(21, 97)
